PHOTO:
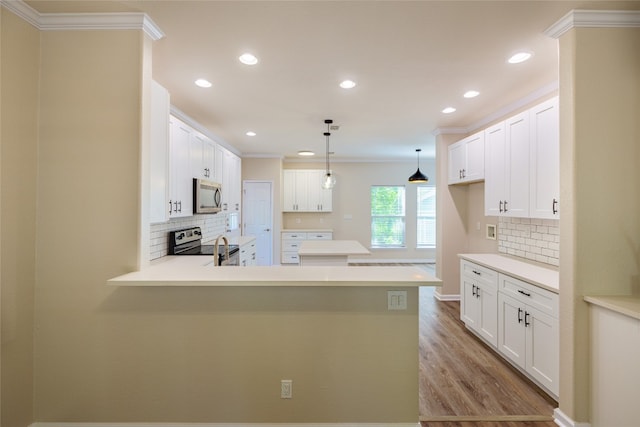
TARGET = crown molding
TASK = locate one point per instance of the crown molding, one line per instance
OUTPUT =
(594, 19)
(449, 131)
(84, 21)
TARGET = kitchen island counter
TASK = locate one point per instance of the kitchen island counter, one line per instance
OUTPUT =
(329, 252)
(200, 271)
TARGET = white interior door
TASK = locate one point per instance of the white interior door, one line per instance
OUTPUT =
(257, 212)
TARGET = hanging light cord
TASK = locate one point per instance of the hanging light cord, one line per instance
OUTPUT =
(327, 134)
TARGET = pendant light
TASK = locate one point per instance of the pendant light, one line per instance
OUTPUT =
(418, 177)
(329, 180)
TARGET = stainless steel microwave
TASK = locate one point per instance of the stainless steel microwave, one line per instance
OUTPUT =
(207, 196)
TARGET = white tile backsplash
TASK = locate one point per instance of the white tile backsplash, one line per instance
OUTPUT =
(529, 238)
(212, 226)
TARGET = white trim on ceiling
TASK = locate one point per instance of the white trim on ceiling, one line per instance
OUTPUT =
(594, 19)
(84, 21)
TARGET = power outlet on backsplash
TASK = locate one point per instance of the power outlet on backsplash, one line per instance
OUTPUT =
(530, 238)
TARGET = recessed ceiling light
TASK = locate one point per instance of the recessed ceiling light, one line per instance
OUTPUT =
(348, 84)
(203, 83)
(248, 59)
(306, 153)
(251, 133)
(519, 57)
(448, 110)
(471, 94)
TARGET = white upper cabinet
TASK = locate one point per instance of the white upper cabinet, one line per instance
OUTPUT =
(544, 160)
(466, 160)
(303, 191)
(507, 167)
(231, 182)
(159, 155)
(202, 154)
(181, 181)
(516, 199)
(495, 169)
(522, 168)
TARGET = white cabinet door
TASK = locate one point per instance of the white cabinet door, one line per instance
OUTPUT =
(544, 160)
(466, 159)
(469, 305)
(231, 182)
(543, 348)
(201, 155)
(516, 203)
(288, 191)
(218, 161)
(479, 302)
(495, 174)
(159, 155)
(474, 158)
(456, 162)
(319, 199)
(181, 182)
(511, 336)
(488, 316)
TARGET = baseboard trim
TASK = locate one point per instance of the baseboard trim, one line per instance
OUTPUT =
(58, 424)
(563, 420)
(447, 297)
(485, 418)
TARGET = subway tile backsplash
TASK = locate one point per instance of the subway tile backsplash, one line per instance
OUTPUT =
(529, 238)
(212, 226)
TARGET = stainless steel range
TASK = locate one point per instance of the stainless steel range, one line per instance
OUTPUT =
(188, 241)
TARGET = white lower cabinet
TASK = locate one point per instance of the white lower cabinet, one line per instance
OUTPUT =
(516, 317)
(248, 254)
(291, 241)
(479, 303)
(528, 333)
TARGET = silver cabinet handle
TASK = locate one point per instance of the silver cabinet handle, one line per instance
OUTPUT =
(505, 205)
(554, 206)
(170, 207)
(500, 206)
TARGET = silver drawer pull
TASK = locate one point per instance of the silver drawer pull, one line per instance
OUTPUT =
(524, 293)
(476, 272)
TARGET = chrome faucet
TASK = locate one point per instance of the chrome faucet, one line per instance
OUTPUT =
(216, 258)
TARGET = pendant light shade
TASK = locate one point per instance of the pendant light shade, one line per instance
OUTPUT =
(329, 180)
(418, 177)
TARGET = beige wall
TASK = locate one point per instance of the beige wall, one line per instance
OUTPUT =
(352, 197)
(87, 219)
(19, 53)
(599, 157)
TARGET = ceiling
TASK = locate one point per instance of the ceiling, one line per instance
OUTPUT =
(410, 60)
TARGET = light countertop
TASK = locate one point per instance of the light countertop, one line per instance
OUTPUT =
(627, 305)
(199, 271)
(544, 277)
(332, 247)
(307, 230)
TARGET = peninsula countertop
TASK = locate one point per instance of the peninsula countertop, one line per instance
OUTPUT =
(199, 271)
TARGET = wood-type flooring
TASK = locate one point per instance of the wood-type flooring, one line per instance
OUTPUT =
(463, 383)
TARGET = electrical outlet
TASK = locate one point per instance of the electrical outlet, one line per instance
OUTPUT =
(286, 389)
(396, 300)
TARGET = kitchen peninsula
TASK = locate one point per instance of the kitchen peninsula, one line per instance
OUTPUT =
(357, 327)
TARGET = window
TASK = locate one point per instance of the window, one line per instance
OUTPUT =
(426, 216)
(387, 216)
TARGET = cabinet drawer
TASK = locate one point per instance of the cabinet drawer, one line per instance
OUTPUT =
(536, 297)
(478, 273)
(294, 236)
(319, 236)
(291, 245)
(290, 258)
